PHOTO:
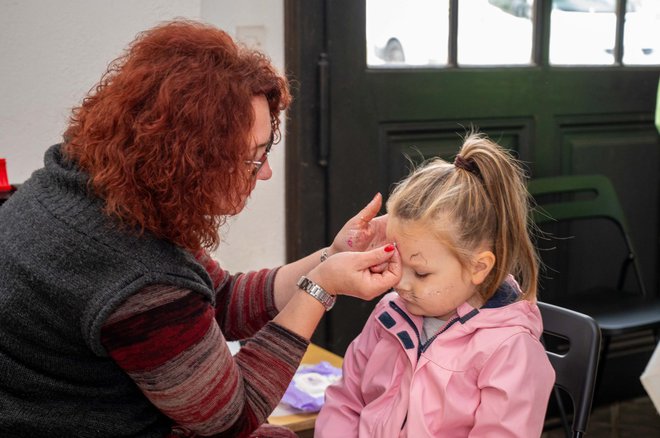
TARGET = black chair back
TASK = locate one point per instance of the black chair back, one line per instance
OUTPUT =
(572, 342)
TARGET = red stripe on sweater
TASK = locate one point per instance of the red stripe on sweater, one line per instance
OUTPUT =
(150, 339)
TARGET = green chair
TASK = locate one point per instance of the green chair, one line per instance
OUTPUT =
(617, 310)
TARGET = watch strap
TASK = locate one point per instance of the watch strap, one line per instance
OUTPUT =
(326, 299)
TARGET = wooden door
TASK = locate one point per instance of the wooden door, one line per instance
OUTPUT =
(352, 126)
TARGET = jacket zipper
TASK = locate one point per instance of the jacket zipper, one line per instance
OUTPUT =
(405, 316)
(420, 348)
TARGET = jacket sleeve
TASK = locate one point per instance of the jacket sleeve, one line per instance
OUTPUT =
(340, 414)
(168, 342)
(515, 384)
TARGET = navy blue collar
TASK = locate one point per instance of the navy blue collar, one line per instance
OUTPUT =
(504, 295)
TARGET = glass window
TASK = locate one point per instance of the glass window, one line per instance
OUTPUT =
(495, 32)
(415, 33)
(641, 34)
(582, 32)
(407, 32)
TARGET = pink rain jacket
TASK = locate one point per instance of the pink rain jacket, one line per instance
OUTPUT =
(485, 374)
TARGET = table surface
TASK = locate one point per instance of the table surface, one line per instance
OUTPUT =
(303, 422)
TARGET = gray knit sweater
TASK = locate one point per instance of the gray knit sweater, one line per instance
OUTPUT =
(64, 267)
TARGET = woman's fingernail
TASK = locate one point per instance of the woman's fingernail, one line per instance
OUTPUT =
(389, 248)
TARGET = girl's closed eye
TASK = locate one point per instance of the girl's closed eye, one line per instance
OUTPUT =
(420, 275)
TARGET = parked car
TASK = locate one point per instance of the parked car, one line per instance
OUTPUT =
(519, 8)
(585, 5)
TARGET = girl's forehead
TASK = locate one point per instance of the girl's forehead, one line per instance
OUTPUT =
(407, 228)
(406, 232)
(417, 244)
(401, 228)
(415, 235)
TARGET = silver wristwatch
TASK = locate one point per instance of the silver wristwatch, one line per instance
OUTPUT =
(317, 292)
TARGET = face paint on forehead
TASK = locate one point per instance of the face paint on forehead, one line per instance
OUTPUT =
(419, 257)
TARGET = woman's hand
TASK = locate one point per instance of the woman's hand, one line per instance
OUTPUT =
(352, 273)
(363, 231)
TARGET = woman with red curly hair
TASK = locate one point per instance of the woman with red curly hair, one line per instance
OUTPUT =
(113, 317)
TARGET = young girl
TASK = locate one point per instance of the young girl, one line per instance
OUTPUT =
(454, 351)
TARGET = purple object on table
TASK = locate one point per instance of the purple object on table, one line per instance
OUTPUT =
(306, 392)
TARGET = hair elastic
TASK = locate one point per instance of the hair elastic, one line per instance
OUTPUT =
(468, 165)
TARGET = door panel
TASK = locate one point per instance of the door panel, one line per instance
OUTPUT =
(627, 152)
(402, 142)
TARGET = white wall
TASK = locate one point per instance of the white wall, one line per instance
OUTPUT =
(53, 52)
(256, 237)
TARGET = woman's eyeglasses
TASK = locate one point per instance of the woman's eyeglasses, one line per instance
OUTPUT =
(258, 164)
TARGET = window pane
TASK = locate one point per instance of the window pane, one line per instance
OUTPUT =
(582, 32)
(494, 32)
(407, 32)
(641, 34)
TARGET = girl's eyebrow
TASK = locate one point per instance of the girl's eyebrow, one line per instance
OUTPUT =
(418, 254)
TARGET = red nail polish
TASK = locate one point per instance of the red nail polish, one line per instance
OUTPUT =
(389, 248)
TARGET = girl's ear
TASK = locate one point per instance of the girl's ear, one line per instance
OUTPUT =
(481, 266)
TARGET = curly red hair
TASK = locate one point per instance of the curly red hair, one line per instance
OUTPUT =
(164, 134)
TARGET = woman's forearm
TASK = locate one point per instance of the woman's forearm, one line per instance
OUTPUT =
(288, 275)
(346, 273)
